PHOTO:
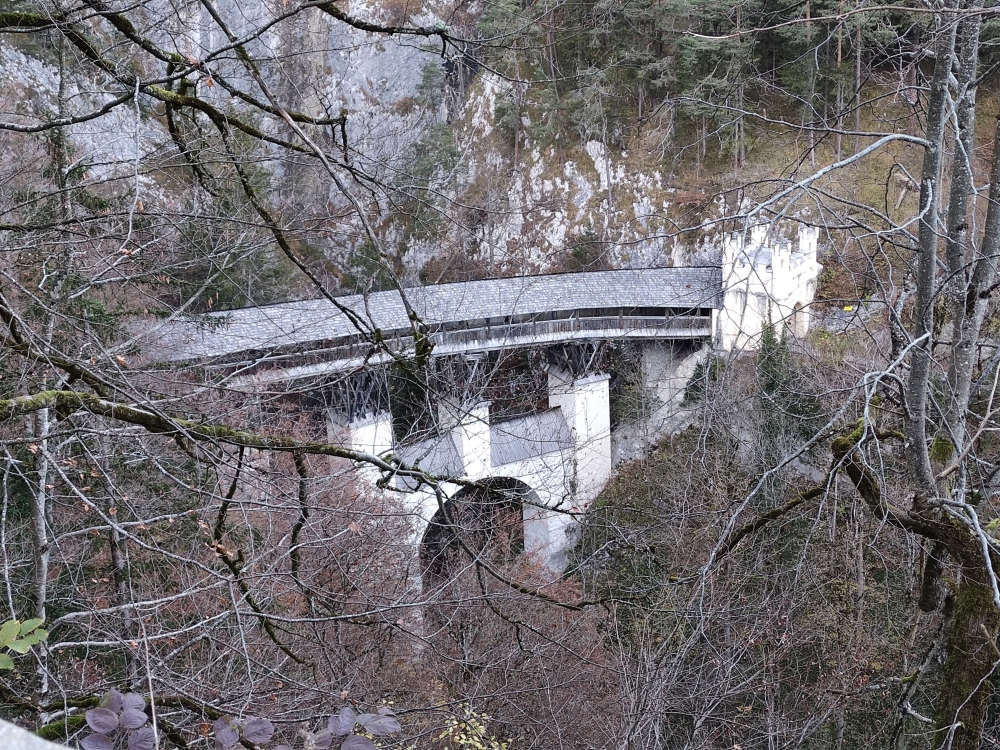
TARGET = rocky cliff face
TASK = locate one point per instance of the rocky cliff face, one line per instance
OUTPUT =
(533, 201)
(612, 206)
(457, 186)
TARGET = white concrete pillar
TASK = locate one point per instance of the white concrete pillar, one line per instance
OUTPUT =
(800, 321)
(808, 276)
(781, 268)
(782, 290)
(732, 319)
(469, 425)
(370, 434)
(585, 404)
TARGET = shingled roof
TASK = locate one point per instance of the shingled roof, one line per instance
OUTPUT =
(291, 324)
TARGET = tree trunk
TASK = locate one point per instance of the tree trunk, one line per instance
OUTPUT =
(915, 394)
(39, 514)
(857, 91)
(965, 691)
(957, 246)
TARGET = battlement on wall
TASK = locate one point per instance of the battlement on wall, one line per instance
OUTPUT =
(761, 248)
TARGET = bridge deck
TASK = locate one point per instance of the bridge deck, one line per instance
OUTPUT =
(315, 335)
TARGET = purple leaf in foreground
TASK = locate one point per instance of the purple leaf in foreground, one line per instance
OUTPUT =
(226, 735)
(102, 720)
(321, 740)
(379, 725)
(354, 742)
(343, 722)
(111, 699)
(134, 701)
(142, 739)
(96, 742)
(258, 731)
(132, 719)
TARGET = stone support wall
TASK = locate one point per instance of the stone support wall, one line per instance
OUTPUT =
(586, 406)
(666, 369)
(565, 476)
(470, 431)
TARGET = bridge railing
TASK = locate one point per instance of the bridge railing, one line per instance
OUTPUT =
(677, 326)
(333, 356)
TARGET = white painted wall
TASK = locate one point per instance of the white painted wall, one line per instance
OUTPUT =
(586, 406)
(470, 431)
(371, 434)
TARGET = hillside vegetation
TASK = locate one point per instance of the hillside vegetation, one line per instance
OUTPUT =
(193, 559)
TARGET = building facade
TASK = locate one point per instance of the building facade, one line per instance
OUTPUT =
(766, 282)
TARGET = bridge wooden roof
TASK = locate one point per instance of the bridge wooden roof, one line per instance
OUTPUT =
(223, 334)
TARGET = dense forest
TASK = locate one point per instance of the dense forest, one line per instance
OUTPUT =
(190, 561)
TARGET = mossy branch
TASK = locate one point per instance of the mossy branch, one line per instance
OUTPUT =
(68, 401)
(15, 20)
(766, 518)
(439, 31)
(842, 448)
(845, 454)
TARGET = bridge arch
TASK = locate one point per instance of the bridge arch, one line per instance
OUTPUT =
(490, 518)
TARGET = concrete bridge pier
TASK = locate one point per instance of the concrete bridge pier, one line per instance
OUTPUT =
(469, 427)
(554, 463)
(585, 404)
(367, 433)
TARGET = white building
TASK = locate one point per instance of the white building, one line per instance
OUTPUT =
(766, 282)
